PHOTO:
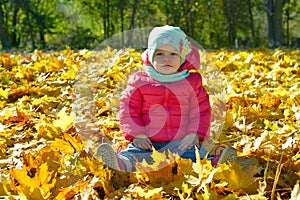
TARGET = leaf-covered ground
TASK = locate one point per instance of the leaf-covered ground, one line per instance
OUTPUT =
(56, 107)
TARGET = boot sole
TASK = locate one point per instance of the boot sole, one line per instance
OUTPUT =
(228, 155)
(108, 156)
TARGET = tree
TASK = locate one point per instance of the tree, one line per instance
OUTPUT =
(132, 19)
(210, 24)
(26, 22)
(291, 19)
(274, 10)
(121, 7)
(85, 23)
(249, 4)
(230, 14)
(4, 37)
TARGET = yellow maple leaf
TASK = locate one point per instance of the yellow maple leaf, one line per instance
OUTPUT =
(65, 121)
(71, 191)
(21, 176)
(69, 74)
(149, 193)
(160, 159)
(62, 146)
(76, 144)
(236, 178)
(34, 187)
(3, 93)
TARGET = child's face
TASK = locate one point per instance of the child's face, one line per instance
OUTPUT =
(166, 59)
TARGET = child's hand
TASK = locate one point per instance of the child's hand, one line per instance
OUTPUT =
(189, 141)
(142, 142)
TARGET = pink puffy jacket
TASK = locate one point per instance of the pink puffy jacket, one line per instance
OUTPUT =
(166, 111)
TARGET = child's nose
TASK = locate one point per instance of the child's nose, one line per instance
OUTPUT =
(167, 57)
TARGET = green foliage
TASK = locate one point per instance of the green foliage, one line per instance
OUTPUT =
(84, 24)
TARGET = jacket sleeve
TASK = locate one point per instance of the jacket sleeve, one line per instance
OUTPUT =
(130, 110)
(200, 110)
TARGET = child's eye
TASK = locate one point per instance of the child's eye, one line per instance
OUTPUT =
(174, 54)
(159, 54)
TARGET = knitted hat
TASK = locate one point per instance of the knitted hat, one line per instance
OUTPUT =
(168, 35)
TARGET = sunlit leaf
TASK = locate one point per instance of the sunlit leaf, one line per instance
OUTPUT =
(3, 94)
(64, 121)
(69, 75)
(237, 178)
(149, 194)
(33, 186)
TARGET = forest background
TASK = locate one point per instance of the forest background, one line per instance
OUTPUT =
(47, 24)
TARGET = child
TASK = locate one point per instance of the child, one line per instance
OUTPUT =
(165, 107)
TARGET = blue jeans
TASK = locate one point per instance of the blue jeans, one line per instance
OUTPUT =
(134, 154)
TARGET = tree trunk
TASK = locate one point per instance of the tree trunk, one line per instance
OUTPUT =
(251, 21)
(42, 38)
(134, 9)
(107, 18)
(287, 13)
(14, 36)
(25, 5)
(4, 36)
(274, 15)
(122, 2)
(209, 14)
(229, 13)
